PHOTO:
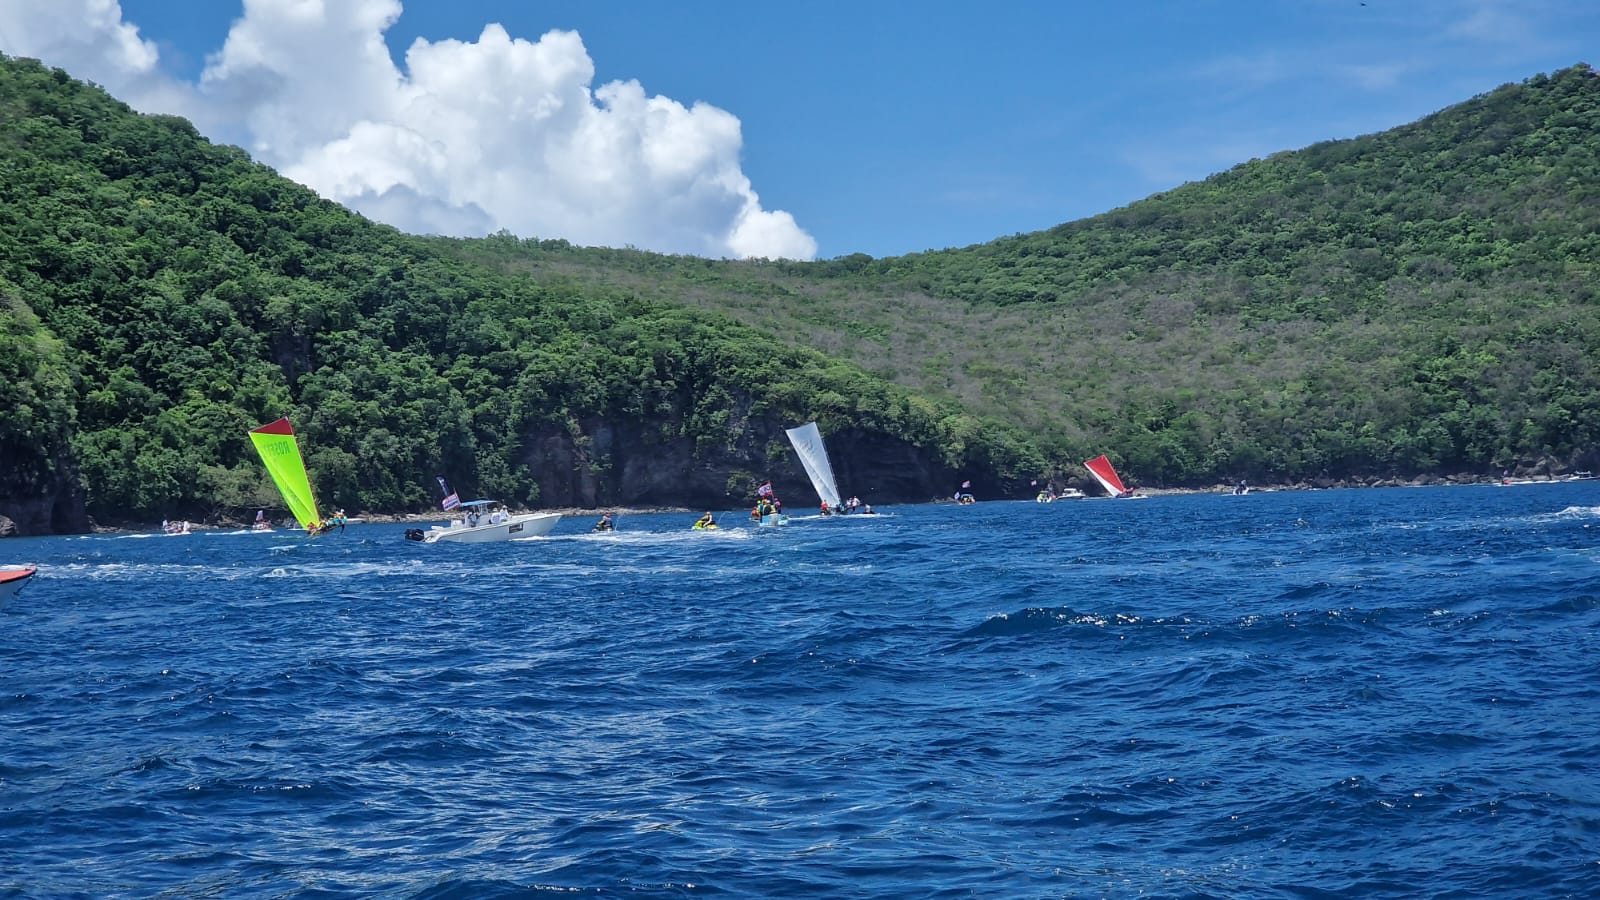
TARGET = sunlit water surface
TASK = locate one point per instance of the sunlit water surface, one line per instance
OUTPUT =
(1344, 693)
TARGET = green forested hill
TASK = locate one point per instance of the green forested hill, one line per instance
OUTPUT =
(1417, 301)
(160, 295)
(1421, 301)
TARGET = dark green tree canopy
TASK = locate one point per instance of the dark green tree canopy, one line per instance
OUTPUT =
(1419, 301)
(160, 296)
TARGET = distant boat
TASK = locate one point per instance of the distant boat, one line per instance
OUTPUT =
(280, 453)
(1051, 496)
(768, 515)
(768, 511)
(487, 521)
(13, 578)
(807, 440)
(963, 495)
(1106, 474)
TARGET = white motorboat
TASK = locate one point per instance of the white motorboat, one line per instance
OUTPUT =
(486, 521)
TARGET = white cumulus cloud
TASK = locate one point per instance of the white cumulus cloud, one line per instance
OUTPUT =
(89, 39)
(466, 138)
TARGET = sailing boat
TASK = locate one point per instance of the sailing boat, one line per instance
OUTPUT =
(280, 453)
(807, 440)
(1101, 469)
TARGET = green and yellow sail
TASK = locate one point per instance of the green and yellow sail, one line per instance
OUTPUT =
(276, 444)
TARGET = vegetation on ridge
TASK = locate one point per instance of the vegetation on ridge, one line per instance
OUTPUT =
(1411, 302)
(159, 296)
(1420, 301)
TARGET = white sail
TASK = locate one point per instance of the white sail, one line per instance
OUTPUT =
(807, 442)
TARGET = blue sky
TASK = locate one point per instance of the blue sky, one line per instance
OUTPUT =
(880, 128)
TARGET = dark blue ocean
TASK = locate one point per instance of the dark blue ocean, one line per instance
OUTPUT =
(1354, 693)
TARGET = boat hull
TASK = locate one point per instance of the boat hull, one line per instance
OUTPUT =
(12, 580)
(521, 526)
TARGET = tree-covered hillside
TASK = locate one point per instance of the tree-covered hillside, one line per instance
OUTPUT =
(1417, 301)
(159, 296)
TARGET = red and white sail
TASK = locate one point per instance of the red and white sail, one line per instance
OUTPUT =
(1101, 469)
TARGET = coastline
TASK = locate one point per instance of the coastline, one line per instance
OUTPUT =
(366, 518)
(1320, 484)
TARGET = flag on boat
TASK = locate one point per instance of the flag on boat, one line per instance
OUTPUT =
(261, 515)
(451, 498)
(765, 490)
(966, 484)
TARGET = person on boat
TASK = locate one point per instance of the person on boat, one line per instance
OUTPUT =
(825, 510)
(605, 523)
(707, 521)
(472, 518)
(867, 510)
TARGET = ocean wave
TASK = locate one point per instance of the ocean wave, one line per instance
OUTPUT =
(1189, 697)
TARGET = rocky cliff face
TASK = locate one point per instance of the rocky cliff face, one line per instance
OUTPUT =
(608, 463)
(39, 492)
(595, 462)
